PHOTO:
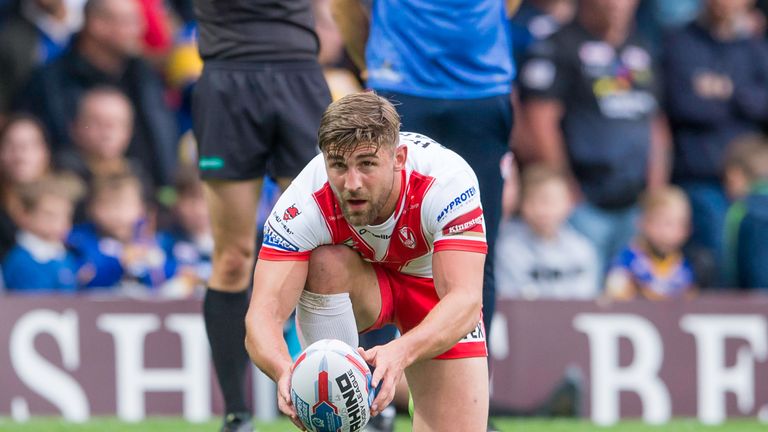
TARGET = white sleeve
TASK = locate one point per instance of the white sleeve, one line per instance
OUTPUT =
(294, 227)
(453, 214)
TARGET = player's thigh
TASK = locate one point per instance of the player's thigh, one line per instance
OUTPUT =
(449, 395)
(232, 206)
(335, 269)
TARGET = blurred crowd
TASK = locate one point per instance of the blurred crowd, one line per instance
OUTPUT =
(640, 168)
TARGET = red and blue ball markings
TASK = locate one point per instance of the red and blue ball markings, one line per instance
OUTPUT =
(325, 415)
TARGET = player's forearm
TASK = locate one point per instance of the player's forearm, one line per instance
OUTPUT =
(452, 318)
(266, 347)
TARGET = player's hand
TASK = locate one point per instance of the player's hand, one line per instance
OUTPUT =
(284, 399)
(389, 361)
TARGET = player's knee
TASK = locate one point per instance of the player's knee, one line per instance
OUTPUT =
(233, 264)
(328, 265)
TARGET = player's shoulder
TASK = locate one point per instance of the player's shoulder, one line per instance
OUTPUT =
(428, 157)
(312, 178)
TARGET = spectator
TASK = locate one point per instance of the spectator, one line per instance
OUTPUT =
(120, 242)
(716, 74)
(657, 17)
(189, 243)
(106, 52)
(36, 35)
(540, 256)
(590, 105)
(536, 20)
(101, 133)
(40, 261)
(746, 235)
(24, 157)
(653, 266)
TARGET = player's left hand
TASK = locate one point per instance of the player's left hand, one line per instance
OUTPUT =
(389, 361)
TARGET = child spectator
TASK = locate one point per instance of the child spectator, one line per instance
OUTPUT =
(40, 260)
(746, 233)
(653, 265)
(24, 157)
(190, 242)
(540, 256)
(119, 241)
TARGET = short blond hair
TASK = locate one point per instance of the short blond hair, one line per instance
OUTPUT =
(533, 176)
(748, 153)
(64, 185)
(663, 197)
(358, 118)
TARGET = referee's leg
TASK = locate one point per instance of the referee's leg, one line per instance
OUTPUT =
(232, 206)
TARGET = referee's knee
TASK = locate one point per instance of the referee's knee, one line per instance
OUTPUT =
(233, 265)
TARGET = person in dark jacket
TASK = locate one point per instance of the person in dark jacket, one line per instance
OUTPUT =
(106, 52)
(36, 34)
(716, 72)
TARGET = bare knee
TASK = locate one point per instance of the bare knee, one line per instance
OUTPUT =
(329, 269)
(232, 267)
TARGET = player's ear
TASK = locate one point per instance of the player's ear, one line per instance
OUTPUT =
(401, 154)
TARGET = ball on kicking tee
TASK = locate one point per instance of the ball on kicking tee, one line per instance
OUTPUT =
(331, 387)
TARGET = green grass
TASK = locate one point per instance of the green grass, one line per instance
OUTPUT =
(403, 425)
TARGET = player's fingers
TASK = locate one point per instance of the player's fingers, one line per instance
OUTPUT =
(377, 375)
(384, 397)
(286, 407)
(369, 356)
(298, 423)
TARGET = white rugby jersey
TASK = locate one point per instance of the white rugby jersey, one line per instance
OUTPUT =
(438, 209)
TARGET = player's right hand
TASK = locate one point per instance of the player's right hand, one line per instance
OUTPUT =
(284, 399)
(390, 365)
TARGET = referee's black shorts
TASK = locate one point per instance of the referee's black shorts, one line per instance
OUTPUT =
(252, 119)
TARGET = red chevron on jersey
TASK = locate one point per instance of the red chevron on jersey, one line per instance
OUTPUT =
(341, 231)
(408, 242)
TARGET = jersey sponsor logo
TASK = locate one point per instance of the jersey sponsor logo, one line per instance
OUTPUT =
(407, 237)
(291, 212)
(273, 239)
(363, 231)
(457, 202)
(469, 223)
(476, 335)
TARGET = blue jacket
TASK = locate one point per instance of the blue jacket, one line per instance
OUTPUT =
(105, 254)
(24, 273)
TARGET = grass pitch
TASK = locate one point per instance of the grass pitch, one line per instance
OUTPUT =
(403, 425)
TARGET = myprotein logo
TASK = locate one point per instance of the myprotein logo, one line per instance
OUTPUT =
(353, 400)
(457, 202)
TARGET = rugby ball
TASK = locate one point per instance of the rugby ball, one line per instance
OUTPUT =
(331, 388)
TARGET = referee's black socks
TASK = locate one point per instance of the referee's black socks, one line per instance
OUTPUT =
(224, 315)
